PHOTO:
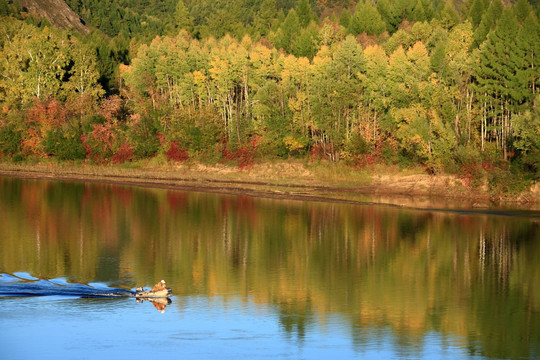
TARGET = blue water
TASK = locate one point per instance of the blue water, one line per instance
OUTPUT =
(260, 278)
(65, 327)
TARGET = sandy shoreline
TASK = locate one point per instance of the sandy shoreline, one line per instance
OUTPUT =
(415, 190)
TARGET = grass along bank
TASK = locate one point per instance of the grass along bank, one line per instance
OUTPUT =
(318, 180)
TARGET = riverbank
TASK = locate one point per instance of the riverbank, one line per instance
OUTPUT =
(321, 181)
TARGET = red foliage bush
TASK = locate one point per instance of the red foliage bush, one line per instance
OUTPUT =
(374, 157)
(111, 107)
(87, 147)
(176, 152)
(243, 154)
(47, 113)
(487, 166)
(31, 143)
(43, 116)
(469, 174)
(99, 143)
(367, 160)
(123, 154)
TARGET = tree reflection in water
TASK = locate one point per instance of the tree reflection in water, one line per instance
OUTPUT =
(472, 276)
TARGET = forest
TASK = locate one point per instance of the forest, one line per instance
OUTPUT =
(446, 86)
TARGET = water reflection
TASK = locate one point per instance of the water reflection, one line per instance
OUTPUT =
(385, 271)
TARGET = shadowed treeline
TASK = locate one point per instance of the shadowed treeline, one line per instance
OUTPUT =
(473, 277)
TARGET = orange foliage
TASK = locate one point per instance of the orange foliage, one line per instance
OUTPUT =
(99, 144)
(32, 143)
(111, 107)
(47, 114)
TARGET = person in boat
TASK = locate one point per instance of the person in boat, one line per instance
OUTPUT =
(159, 286)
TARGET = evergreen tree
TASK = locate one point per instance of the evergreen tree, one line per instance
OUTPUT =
(500, 76)
(182, 17)
(522, 9)
(345, 19)
(307, 43)
(289, 30)
(427, 6)
(390, 14)
(476, 11)
(404, 8)
(418, 13)
(448, 15)
(366, 19)
(265, 17)
(488, 22)
(303, 10)
(528, 46)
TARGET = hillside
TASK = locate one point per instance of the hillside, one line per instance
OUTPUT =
(57, 12)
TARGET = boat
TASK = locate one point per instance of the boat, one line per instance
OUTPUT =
(158, 291)
(165, 293)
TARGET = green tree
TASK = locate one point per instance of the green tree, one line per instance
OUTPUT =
(42, 63)
(488, 22)
(526, 127)
(307, 43)
(418, 13)
(448, 15)
(455, 72)
(182, 17)
(500, 77)
(366, 19)
(375, 89)
(528, 41)
(83, 74)
(345, 19)
(522, 9)
(390, 13)
(288, 31)
(476, 11)
(303, 10)
(336, 92)
(265, 17)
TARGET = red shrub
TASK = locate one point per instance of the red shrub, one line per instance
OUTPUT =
(243, 154)
(31, 143)
(99, 143)
(111, 107)
(367, 160)
(47, 114)
(487, 166)
(468, 174)
(176, 152)
(123, 154)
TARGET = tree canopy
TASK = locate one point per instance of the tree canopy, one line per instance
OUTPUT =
(447, 87)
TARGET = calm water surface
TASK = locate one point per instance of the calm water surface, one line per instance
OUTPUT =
(259, 278)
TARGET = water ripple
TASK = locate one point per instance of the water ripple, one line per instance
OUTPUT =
(24, 285)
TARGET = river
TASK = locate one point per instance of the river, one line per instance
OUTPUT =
(260, 278)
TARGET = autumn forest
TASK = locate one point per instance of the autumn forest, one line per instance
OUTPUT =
(447, 86)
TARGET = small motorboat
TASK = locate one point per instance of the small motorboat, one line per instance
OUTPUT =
(158, 291)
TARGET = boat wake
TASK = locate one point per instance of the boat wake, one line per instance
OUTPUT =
(25, 286)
